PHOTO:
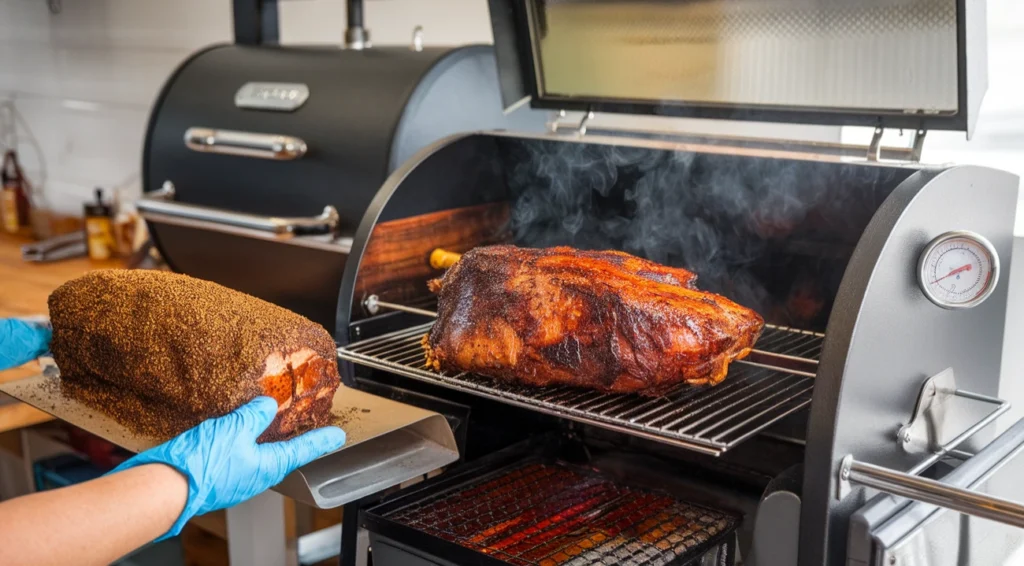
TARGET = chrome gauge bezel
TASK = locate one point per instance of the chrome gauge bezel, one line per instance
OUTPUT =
(982, 242)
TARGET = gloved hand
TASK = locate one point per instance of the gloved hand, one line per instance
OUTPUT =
(22, 341)
(224, 465)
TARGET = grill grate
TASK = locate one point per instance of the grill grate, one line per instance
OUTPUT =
(549, 514)
(774, 382)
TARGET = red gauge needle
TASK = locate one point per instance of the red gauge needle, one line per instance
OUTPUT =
(960, 269)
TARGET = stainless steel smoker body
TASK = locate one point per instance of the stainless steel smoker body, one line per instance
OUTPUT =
(827, 251)
(864, 384)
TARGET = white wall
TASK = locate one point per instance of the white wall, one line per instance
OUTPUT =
(82, 81)
(998, 140)
(445, 22)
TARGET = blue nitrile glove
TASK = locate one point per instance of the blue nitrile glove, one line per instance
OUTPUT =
(224, 465)
(22, 341)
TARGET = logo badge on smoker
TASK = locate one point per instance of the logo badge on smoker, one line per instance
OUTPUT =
(280, 97)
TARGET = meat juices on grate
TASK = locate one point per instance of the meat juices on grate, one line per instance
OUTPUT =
(161, 352)
(604, 320)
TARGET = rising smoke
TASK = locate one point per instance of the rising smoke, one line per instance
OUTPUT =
(734, 221)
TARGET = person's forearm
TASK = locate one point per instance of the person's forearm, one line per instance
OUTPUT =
(95, 522)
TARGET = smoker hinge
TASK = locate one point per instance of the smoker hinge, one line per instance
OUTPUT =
(417, 39)
(918, 146)
(875, 149)
(874, 152)
(556, 124)
(582, 128)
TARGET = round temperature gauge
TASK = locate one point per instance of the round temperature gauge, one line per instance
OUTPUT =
(958, 270)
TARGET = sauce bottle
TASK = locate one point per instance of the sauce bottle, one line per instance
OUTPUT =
(14, 205)
(99, 232)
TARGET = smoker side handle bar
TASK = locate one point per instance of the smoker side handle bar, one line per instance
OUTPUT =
(245, 144)
(911, 486)
(159, 205)
(936, 493)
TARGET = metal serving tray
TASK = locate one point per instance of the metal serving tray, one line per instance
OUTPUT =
(387, 442)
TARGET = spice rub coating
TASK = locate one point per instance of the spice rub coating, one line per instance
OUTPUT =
(161, 352)
(599, 319)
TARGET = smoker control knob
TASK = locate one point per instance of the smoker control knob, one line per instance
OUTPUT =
(958, 270)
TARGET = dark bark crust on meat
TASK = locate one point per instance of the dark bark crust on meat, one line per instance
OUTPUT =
(604, 320)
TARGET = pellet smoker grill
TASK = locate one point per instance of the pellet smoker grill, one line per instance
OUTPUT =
(879, 371)
(884, 283)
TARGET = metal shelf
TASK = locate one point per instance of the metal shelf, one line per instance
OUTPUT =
(774, 382)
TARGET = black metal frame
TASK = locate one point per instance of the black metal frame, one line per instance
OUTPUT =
(511, 30)
(256, 22)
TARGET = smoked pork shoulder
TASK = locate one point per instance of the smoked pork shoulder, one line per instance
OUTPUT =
(604, 320)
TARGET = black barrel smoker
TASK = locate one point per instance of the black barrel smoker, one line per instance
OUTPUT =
(260, 160)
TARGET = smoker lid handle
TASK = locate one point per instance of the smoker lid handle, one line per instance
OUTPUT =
(246, 144)
(160, 203)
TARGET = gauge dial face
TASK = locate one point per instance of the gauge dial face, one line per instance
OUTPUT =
(959, 270)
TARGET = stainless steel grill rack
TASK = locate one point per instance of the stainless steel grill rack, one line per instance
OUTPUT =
(774, 382)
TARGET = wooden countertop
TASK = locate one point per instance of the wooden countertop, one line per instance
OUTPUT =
(24, 288)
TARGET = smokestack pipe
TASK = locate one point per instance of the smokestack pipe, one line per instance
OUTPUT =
(356, 36)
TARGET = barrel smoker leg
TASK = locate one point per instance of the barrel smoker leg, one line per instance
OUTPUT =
(256, 534)
(355, 541)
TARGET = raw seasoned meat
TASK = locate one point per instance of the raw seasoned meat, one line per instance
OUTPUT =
(161, 352)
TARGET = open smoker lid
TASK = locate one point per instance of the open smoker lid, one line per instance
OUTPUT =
(918, 64)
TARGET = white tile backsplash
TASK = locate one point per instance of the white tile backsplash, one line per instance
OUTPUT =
(101, 74)
(83, 80)
(126, 24)
(98, 143)
(391, 22)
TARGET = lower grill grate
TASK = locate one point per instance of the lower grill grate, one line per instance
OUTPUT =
(549, 514)
(774, 382)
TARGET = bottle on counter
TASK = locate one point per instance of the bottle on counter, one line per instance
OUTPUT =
(99, 232)
(14, 204)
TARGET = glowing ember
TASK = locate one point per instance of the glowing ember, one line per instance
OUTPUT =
(547, 515)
